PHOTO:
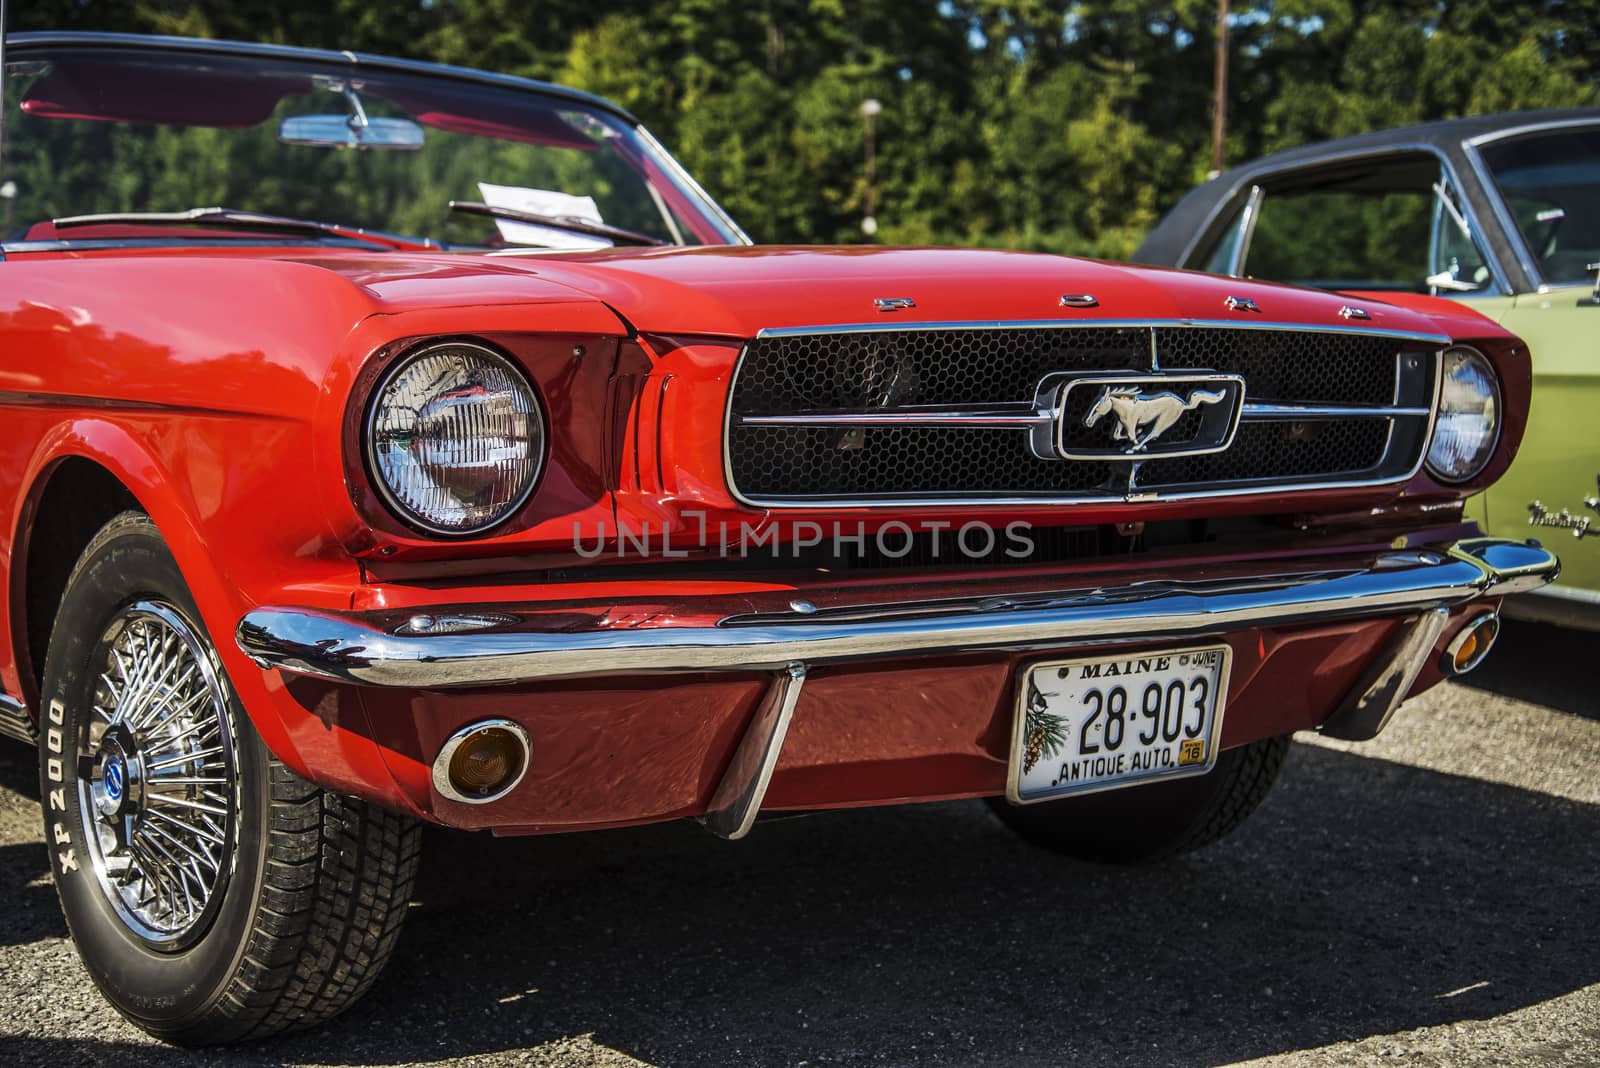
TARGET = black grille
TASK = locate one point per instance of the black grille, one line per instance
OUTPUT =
(1278, 451)
(903, 461)
(1280, 365)
(843, 371)
(940, 372)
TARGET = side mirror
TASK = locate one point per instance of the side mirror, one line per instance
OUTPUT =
(1450, 283)
(344, 131)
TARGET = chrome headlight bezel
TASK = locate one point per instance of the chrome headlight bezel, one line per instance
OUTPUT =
(1496, 408)
(539, 438)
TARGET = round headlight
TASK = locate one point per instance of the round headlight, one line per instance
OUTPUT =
(455, 438)
(1468, 424)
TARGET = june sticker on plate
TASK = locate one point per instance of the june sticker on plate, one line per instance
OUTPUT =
(1096, 724)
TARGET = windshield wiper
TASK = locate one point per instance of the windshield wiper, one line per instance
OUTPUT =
(234, 219)
(570, 223)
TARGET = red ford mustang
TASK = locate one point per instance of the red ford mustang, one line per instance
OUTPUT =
(581, 511)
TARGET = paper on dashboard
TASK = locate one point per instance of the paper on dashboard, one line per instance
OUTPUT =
(543, 202)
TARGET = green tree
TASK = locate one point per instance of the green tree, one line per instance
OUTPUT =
(1067, 125)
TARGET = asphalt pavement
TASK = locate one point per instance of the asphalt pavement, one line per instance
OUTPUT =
(1429, 898)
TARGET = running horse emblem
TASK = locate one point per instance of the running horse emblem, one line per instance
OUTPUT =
(1143, 417)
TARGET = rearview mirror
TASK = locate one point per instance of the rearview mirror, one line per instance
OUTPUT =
(345, 131)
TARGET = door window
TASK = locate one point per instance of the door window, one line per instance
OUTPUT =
(1389, 224)
(1551, 184)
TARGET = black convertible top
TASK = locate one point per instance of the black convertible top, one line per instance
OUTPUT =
(1180, 228)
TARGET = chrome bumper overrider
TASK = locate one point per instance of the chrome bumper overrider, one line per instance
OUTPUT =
(350, 648)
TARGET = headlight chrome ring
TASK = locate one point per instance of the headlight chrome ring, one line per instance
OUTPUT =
(1466, 428)
(455, 438)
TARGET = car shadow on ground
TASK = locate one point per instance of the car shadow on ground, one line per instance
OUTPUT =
(28, 907)
(1366, 898)
(1543, 665)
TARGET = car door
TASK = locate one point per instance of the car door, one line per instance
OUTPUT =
(1547, 184)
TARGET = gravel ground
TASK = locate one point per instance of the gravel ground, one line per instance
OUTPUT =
(1429, 898)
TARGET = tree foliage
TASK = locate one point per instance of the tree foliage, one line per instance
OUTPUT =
(1067, 125)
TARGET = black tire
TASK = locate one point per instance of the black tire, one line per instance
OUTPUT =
(307, 889)
(1146, 824)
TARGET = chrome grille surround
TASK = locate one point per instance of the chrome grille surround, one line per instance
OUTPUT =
(996, 431)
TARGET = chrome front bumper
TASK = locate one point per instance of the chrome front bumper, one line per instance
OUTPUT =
(351, 647)
(383, 649)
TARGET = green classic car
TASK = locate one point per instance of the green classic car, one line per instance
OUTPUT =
(1499, 212)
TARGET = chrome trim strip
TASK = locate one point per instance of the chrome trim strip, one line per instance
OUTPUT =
(1556, 287)
(1247, 230)
(743, 786)
(1140, 494)
(1373, 702)
(4, 77)
(348, 647)
(1044, 417)
(1502, 216)
(22, 43)
(677, 170)
(1257, 410)
(441, 763)
(905, 416)
(1530, 128)
(909, 416)
(1098, 324)
(15, 722)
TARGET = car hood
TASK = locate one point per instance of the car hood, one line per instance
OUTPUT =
(738, 291)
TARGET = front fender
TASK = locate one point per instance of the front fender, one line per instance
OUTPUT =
(125, 446)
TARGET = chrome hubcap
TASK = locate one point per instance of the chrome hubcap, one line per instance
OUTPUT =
(158, 779)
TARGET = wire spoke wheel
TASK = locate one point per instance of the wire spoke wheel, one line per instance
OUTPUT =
(212, 893)
(158, 776)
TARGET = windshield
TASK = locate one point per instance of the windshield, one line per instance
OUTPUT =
(91, 131)
(1551, 183)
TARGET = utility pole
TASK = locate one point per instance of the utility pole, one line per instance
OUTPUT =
(869, 217)
(1219, 103)
(3, 96)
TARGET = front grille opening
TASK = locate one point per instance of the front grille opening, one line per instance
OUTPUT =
(901, 368)
(1289, 366)
(903, 462)
(1275, 451)
(955, 370)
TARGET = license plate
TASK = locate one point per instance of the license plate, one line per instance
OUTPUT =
(1086, 725)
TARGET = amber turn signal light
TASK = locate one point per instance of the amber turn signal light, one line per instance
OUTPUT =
(1468, 648)
(482, 762)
